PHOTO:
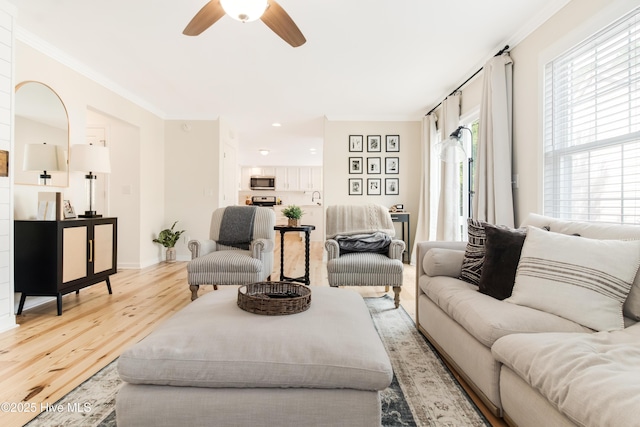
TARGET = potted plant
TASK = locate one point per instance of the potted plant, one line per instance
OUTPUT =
(293, 213)
(168, 238)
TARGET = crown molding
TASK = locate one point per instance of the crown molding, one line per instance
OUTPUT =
(78, 66)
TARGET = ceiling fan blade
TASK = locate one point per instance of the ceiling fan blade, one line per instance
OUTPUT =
(281, 23)
(206, 17)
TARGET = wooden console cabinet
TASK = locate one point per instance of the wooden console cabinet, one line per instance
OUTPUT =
(54, 258)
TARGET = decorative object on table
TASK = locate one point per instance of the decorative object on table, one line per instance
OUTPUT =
(374, 165)
(49, 206)
(355, 164)
(274, 298)
(4, 163)
(391, 186)
(68, 210)
(168, 238)
(374, 186)
(374, 143)
(355, 143)
(392, 165)
(294, 214)
(93, 159)
(355, 186)
(393, 143)
(44, 158)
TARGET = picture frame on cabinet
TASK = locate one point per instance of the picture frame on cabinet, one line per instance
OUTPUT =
(391, 186)
(374, 143)
(392, 165)
(355, 186)
(374, 186)
(392, 143)
(355, 165)
(374, 165)
(355, 143)
(68, 210)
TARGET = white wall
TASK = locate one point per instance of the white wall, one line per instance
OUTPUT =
(80, 94)
(572, 24)
(192, 179)
(7, 44)
(336, 168)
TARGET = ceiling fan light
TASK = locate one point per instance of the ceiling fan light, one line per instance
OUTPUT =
(244, 10)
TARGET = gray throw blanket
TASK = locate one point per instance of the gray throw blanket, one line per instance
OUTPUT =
(375, 243)
(236, 227)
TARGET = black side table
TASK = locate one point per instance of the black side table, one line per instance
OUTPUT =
(307, 238)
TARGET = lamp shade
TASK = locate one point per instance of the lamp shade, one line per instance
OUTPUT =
(90, 158)
(44, 157)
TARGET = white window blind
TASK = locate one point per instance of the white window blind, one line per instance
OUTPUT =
(592, 127)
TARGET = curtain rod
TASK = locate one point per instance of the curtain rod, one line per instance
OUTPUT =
(500, 52)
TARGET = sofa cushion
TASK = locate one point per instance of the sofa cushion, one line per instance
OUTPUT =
(474, 252)
(501, 257)
(443, 262)
(584, 280)
(592, 230)
(487, 318)
(592, 378)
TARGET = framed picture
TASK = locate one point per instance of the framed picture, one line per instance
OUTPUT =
(355, 165)
(68, 210)
(374, 165)
(391, 186)
(374, 143)
(355, 143)
(4, 163)
(392, 165)
(393, 143)
(374, 186)
(355, 186)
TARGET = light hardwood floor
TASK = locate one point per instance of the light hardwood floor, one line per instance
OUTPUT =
(48, 355)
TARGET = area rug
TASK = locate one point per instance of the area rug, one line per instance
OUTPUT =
(423, 391)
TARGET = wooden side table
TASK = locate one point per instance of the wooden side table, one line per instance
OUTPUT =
(403, 218)
(306, 229)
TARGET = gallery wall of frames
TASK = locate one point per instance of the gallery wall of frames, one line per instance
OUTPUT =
(373, 165)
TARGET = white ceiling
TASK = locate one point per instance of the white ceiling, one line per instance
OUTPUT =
(363, 60)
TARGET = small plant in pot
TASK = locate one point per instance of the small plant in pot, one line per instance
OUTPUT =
(168, 238)
(293, 213)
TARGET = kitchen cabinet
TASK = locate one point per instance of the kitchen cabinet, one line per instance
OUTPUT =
(287, 178)
(314, 215)
(54, 258)
(310, 178)
(247, 171)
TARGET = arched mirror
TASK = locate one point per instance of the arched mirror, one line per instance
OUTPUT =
(41, 136)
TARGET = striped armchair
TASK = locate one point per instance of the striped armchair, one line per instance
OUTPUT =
(363, 268)
(214, 263)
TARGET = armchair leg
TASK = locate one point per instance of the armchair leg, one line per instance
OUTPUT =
(396, 299)
(386, 288)
(194, 292)
(215, 287)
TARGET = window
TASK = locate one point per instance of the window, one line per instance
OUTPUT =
(592, 127)
(467, 171)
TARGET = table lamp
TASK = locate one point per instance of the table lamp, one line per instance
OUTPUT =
(93, 159)
(44, 158)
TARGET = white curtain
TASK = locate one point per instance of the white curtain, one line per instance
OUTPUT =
(430, 180)
(493, 199)
(448, 227)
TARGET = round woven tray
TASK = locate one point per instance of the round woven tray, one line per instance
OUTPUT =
(274, 298)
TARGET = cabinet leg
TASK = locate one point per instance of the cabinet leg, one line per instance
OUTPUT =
(194, 292)
(109, 285)
(59, 301)
(23, 297)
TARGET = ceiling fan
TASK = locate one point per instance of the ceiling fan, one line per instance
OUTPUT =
(270, 12)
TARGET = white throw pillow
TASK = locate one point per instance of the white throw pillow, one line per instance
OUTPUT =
(580, 279)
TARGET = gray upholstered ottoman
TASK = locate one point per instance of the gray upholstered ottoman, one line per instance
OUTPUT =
(213, 364)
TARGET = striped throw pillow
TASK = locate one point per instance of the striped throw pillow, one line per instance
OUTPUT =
(580, 279)
(474, 252)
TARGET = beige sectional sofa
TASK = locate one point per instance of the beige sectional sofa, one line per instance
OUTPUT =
(528, 364)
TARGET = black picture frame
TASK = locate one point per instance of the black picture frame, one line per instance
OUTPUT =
(355, 187)
(391, 186)
(374, 165)
(374, 143)
(392, 143)
(392, 165)
(355, 165)
(374, 186)
(356, 143)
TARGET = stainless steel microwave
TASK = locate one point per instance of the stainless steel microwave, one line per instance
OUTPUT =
(260, 182)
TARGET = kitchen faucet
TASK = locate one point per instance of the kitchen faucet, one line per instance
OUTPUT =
(313, 196)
